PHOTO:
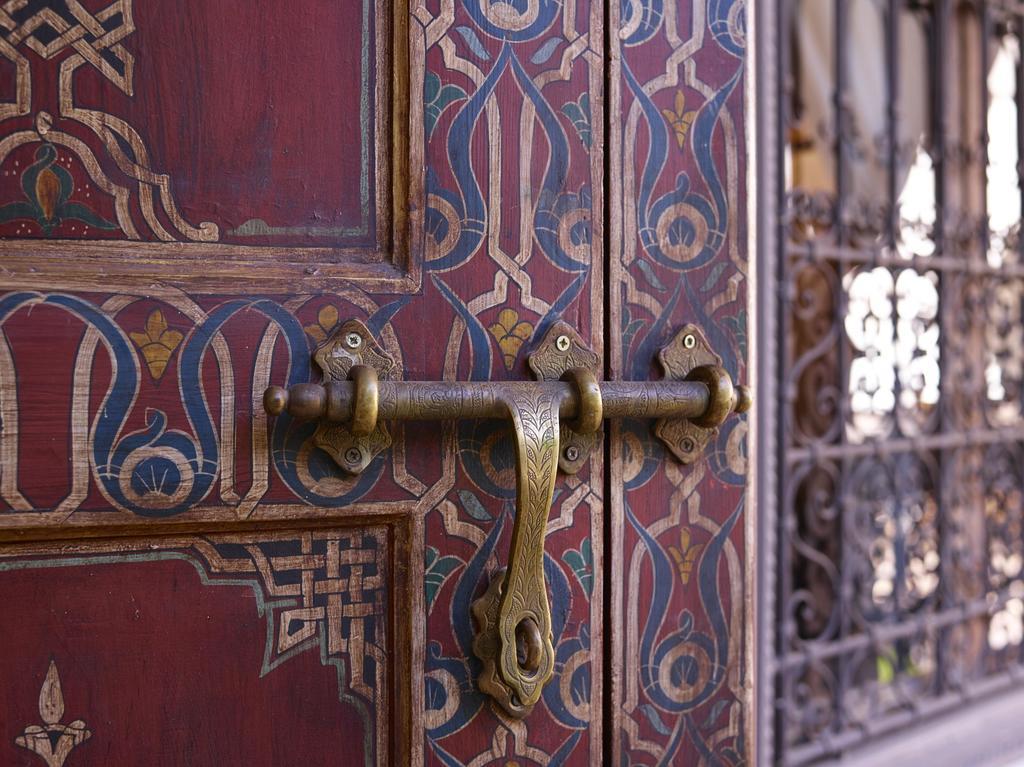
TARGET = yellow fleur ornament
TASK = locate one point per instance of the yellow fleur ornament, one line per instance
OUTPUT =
(685, 556)
(157, 343)
(510, 332)
(680, 119)
(326, 320)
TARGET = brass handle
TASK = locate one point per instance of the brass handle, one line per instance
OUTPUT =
(565, 408)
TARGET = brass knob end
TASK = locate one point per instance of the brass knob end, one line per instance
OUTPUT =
(275, 400)
(306, 401)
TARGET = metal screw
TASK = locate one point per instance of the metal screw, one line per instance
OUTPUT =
(353, 340)
(572, 453)
(689, 340)
(688, 445)
(354, 456)
(562, 343)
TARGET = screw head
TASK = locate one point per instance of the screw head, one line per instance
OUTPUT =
(354, 456)
(572, 453)
(688, 444)
(562, 343)
(353, 340)
(689, 341)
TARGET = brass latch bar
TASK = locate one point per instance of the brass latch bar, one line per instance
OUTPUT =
(452, 400)
(556, 422)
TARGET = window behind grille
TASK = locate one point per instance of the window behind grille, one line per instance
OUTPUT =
(899, 538)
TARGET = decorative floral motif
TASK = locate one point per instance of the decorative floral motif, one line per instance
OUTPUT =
(680, 119)
(510, 332)
(53, 741)
(579, 113)
(438, 569)
(49, 28)
(680, 633)
(436, 99)
(686, 555)
(48, 188)
(157, 343)
(582, 563)
(326, 322)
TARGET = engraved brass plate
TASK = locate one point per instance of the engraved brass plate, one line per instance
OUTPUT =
(352, 344)
(561, 351)
(686, 356)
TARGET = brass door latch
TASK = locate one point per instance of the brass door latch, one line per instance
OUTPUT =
(556, 421)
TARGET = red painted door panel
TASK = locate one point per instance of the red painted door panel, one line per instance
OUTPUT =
(679, 536)
(118, 624)
(194, 197)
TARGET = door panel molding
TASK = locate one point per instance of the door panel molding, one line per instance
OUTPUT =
(340, 594)
(111, 208)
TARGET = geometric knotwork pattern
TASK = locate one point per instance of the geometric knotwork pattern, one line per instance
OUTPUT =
(326, 589)
(48, 27)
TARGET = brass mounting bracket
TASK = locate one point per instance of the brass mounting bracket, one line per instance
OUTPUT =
(688, 357)
(350, 443)
(560, 352)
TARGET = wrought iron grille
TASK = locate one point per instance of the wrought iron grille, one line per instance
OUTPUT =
(900, 538)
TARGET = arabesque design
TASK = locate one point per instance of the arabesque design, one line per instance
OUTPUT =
(679, 258)
(500, 77)
(49, 28)
(53, 741)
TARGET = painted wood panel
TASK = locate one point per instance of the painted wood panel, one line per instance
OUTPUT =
(199, 650)
(217, 133)
(130, 376)
(680, 574)
(129, 390)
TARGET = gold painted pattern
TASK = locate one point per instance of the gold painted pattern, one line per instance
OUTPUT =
(96, 41)
(156, 343)
(53, 741)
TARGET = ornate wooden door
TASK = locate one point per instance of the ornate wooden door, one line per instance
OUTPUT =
(195, 197)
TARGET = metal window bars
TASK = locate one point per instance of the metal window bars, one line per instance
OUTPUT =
(900, 525)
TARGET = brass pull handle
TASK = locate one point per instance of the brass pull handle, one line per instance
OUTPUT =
(556, 422)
